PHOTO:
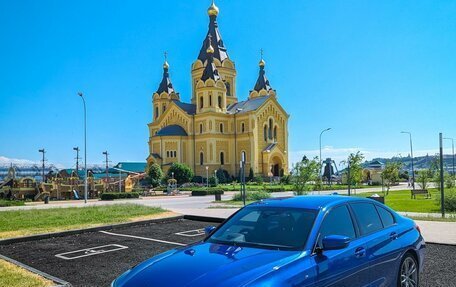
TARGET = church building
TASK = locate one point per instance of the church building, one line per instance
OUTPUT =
(215, 130)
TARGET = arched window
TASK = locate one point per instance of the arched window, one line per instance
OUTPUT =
(228, 89)
(156, 112)
(265, 133)
(219, 101)
(175, 153)
(210, 100)
(270, 129)
(164, 108)
(242, 127)
(167, 153)
(243, 156)
(221, 128)
(275, 133)
(201, 102)
(201, 158)
(222, 158)
(201, 128)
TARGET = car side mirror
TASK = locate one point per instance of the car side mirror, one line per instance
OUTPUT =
(208, 230)
(335, 242)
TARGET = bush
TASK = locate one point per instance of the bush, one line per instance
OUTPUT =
(223, 176)
(450, 200)
(285, 179)
(274, 189)
(154, 174)
(198, 179)
(7, 202)
(258, 179)
(182, 172)
(252, 196)
(251, 175)
(203, 192)
(213, 181)
(118, 195)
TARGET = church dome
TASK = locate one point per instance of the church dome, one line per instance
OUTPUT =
(213, 10)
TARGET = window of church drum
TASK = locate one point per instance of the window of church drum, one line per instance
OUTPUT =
(265, 133)
(219, 101)
(201, 158)
(242, 127)
(156, 112)
(221, 128)
(201, 102)
(201, 128)
(222, 158)
(164, 108)
(275, 133)
(210, 100)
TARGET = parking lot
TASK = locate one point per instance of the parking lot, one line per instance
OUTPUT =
(96, 258)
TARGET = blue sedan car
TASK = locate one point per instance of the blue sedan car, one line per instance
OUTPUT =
(296, 241)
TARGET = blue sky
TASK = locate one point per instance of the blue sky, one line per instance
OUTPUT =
(368, 69)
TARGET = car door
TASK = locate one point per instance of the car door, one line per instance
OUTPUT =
(344, 267)
(378, 226)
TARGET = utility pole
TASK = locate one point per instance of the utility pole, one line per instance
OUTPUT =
(85, 147)
(107, 167)
(411, 155)
(77, 158)
(442, 183)
(43, 151)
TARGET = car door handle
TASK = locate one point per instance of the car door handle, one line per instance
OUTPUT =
(360, 252)
(393, 235)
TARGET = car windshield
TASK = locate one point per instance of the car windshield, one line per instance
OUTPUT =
(267, 227)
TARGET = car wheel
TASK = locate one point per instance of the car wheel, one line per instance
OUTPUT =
(408, 272)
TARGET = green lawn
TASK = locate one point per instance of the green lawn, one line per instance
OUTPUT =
(14, 276)
(26, 222)
(4, 202)
(400, 201)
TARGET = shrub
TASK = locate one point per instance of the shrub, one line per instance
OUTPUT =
(274, 189)
(118, 195)
(182, 172)
(252, 196)
(198, 179)
(213, 181)
(450, 200)
(285, 179)
(203, 192)
(251, 175)
(4, 203)
(155, 174)
(258, 179)
(222, 176)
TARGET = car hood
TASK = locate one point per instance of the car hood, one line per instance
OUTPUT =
(207, 264)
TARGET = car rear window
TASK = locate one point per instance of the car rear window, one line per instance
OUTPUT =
(386, 216)
(367, 217)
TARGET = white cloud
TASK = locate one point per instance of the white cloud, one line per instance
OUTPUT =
(6, 161)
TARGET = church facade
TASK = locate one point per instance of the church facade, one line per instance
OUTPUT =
(215, 130)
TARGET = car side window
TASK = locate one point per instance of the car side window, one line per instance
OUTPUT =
(367, 216)
(337, 222)
(386, 216)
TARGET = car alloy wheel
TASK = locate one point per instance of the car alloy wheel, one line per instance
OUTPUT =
(409, 272)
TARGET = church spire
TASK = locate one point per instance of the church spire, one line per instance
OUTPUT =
(262, 82)
(220, 52)
(165, 84)
(210, 71)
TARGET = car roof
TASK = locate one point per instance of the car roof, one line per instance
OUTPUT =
(315, 202)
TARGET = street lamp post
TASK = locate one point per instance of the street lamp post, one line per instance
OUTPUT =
(42, 171)
(319, 172)
(411, 154)
(77, 158)
(105, 153)
(452, 146)
(207, 176)
(85, 147)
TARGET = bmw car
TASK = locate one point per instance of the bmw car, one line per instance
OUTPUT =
(296, 241)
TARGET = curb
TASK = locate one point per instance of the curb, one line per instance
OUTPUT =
(86, 230)
(60, 282)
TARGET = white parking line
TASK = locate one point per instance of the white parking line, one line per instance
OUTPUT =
(90, 251)
(143, 238)
(191, 233)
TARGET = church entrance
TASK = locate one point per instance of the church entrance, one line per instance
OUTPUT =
(276, 166)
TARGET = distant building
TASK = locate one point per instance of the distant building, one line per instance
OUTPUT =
(373, 172)
(216, 130)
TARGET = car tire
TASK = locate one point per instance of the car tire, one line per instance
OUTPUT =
(408, 275)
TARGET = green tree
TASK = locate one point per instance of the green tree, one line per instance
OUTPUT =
(251, 175)
(424, 177)
(182, 172)
(390, 174)
(304, 172)
(154, 174)
(355, 161)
